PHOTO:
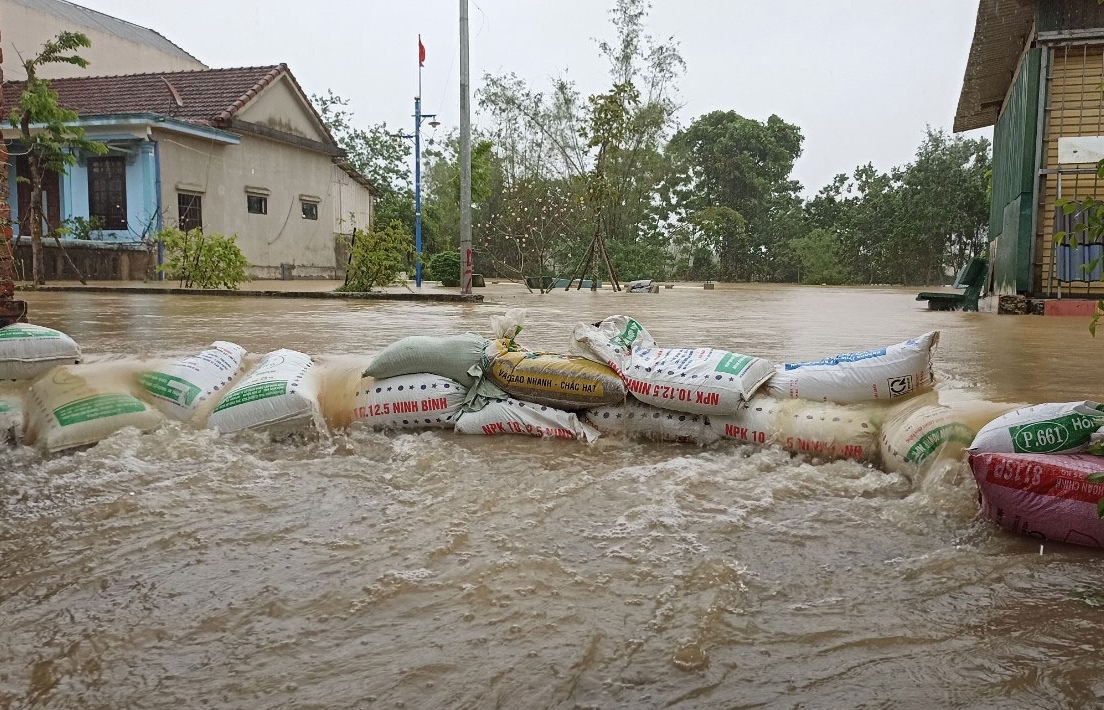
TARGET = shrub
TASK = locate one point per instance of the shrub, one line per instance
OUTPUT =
(199, 260)
(376, 257)
(444, 267)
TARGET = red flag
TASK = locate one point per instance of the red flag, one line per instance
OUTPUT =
(421, 52)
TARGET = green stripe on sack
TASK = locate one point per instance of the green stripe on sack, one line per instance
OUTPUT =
(932, 441)
(17, 331)
(174, 389)
(734, 363)
(252, 393)
(99, 406)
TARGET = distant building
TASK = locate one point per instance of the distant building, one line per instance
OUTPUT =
(236, 151)
(1034, 73)
(118, 47)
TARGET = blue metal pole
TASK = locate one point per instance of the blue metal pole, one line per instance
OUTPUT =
(418, 191)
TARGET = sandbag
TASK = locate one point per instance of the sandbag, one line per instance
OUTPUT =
(280, 395)
(512, 416)
(698, 380)
(923, 430)
(636, 419)
(887, 373)
(561, 381)
(1042, 495)
(181, 387)
(11, 418)
(77, 405)
(421, 401)
(457, 357)
(822, 429)
(28, 351)
(1052, 428)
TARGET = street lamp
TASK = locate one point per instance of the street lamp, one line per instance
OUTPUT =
(417, 136)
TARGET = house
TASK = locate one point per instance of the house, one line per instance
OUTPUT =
(1034, 72)
(236, 151)
(118, 46)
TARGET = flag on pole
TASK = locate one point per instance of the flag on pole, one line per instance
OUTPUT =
(421, 52)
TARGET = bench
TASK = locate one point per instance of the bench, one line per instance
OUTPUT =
(971, 278)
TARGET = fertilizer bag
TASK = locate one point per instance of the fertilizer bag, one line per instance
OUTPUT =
(696, 380)
(77, 405)
(1041, 495)
(512, 416)
(821, 429)
(11, 417)
(562, 381)
(27, 351)
(457, 357)
(181, 387)
(1051, 428)
(922, 430)
(421, 401)
(279, 394)
(636, 419)
(888, 373)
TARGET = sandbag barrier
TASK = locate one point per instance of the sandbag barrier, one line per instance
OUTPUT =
(876, 406)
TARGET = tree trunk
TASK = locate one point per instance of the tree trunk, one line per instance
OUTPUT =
(37, 271)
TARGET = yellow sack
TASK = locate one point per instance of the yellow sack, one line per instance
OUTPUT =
(561, 381)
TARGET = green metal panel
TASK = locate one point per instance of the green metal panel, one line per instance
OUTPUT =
(1014, 141)
(1063, 15)
(1012, 253)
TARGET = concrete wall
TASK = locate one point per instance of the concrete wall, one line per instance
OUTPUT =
(286, 175)
(96, 261)
(280, 107)
(28, 27)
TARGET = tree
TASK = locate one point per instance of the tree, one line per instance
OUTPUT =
(200, 260)
(725, 160)
(47, 132)
(377, 255)
(377, 153)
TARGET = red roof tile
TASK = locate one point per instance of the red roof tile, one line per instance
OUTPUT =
(207, 97)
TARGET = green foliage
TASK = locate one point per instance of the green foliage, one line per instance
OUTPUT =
(199, 260)
(377, 256)
(638, 260)
(81, 228)
(55, 143)
(818, 256)
(444, 267)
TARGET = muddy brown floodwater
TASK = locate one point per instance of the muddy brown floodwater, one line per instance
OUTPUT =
(430, 570)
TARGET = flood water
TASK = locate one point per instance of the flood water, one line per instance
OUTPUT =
(430, 570)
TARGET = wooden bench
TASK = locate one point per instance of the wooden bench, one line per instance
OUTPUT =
(971, 278)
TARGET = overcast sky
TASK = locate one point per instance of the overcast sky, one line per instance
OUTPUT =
(860, 78)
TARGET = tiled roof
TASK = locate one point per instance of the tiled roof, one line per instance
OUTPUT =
(1002, 30)
(207, 97)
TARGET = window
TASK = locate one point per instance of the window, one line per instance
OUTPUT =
(256, 204)
(107, 191)
(189, 211)
(310, 209)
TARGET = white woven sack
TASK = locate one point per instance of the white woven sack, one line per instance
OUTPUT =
(636, 419)
(886, 373)
(27, 351)
(1051, 428)
(280, 391)
(512, 416)
(821, 429)
(11, 417)
(181, 387)
(699, 380)
(422, 401)
(77, 405)
(922, 430)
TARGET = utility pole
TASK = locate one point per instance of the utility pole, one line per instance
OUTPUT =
(418, 118)
(465, 159)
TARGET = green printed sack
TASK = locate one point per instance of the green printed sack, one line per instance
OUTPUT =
(1052, 428)
(280, 391)
(78, 405)
(697, 380)
(28, 351)
(921, 430)
(11, 417)
(180, 388)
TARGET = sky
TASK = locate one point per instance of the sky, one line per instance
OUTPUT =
(862, 79)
